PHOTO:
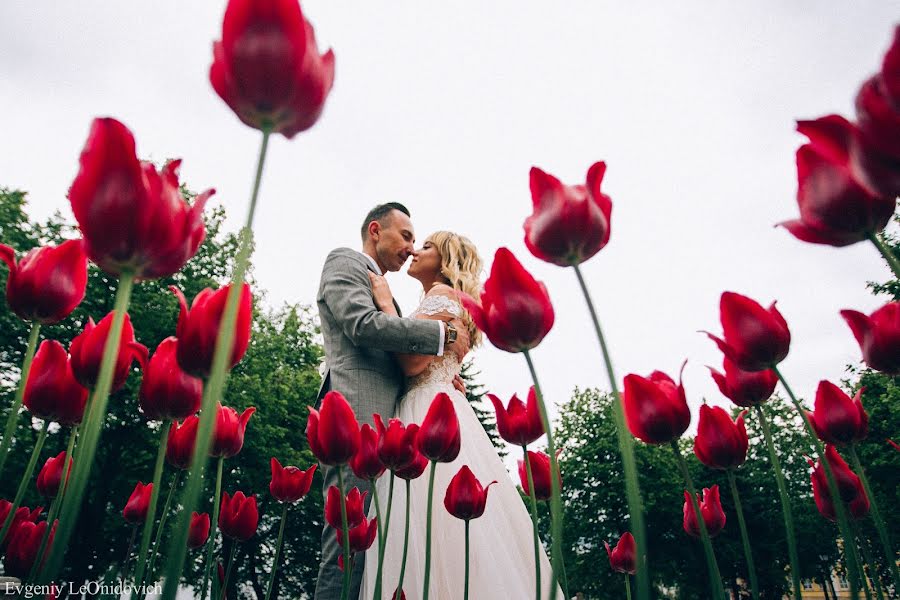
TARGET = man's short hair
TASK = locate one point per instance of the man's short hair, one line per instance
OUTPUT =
(380, 213)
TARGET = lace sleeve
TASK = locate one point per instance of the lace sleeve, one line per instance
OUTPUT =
(436, 303)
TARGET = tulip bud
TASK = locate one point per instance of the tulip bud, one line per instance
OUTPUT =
(656, 410)
(332, 431)
(515, 311)
(361, 536)
(47, 283)
(756, 338)
(199, 531)
(167, 392)
(396, 443)
(289, 484)
(138, 503)
(22, 514)
(355, 507)
(24, 544)
(365, 464)
(623, 558)
(744, 388)
(466, 498)
(439, 436)
(181, 442)
(238, 516)
(87, 352)
(518, 424)
(267, 67)
(878, 336)
(133, 218)
(848, 483)
(837, 418)
(198, 328)
(540, 473)
(571, 223)
(51, 391)
(710, 510)
(720, 443)
(50, 477)
(228, 438)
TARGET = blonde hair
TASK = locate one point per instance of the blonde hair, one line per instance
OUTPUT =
(462, 267)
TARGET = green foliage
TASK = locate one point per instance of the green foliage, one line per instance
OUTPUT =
(475, 394)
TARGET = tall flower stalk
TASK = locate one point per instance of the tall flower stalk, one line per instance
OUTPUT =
(534, 524)
(745, 537)
(277, 551)
(154, 552)
(141, 568)
(427, 577)
(211, 542)
(13, 417)
(886, 252)
(405, 543)
(345, 535)
(26, 479)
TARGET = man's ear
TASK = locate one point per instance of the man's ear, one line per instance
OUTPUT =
(375, 230)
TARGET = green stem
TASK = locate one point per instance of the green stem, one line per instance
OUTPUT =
(13, 417)
(534, 524)
(348, 568)
(839, 508)
(556, 512)
(57, 502)
(140, 569)
(715, 579)
(382, 531)
(127, 560)
(627, 586)
(213, 390)
(870, 561)
(626, 449)
(785, 503)
(399, 589)
(90, 433)
(154, 554)
(745, 538)
(428, 531)
(892, 261)
(387, 519)
(234, 546)
(466, 584)
(213, 523)
(26, 479)
(277, 551)
(883, 536)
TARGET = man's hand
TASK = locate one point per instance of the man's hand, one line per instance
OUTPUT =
(462, 344)
(381, 292)
(458, 384)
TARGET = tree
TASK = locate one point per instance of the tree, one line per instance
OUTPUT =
(475, 395)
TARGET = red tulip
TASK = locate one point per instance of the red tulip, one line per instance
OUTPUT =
(756, 338)
(238, 516)
(355, 507)
(87, 352)
(133, 219)
(518, 424)
(744, 388)
(365, 464)
(181, 442)
(22, 514)
(540, 473)
(228, 438)
(878, 336)
(720, 443)
(414, 469)
(51, 391)
(167, 392)
(48, 283)
(333, 431)
(439, 436)
(835, 208)
(361, 536)
(878, 114)
(465, 498)
(24, 544)
(138, 503)
(399, 595)
(849, 486)
(396, 443)
(198, 328)
(267, 67)
(571, 223)
(656, 409)
(50, 477)
(837, 418)
(623, 558)
(710, 510)
(515, 311)
(199, 531)
(289, 484)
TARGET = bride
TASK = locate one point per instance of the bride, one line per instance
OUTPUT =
(501, 555)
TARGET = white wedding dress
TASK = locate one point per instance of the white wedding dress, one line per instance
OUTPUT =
(501, 551)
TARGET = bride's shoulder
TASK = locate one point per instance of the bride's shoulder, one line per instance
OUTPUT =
(442, 289)
(440, 298)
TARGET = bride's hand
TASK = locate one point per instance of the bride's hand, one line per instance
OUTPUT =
(381, 292)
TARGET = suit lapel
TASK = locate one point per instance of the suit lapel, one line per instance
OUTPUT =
(397, 306)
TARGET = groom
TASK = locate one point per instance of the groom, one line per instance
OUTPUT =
(359, 340)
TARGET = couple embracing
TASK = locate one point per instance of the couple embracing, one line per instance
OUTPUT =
(393, 366)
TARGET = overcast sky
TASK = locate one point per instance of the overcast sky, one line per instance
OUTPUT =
(446, 106)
